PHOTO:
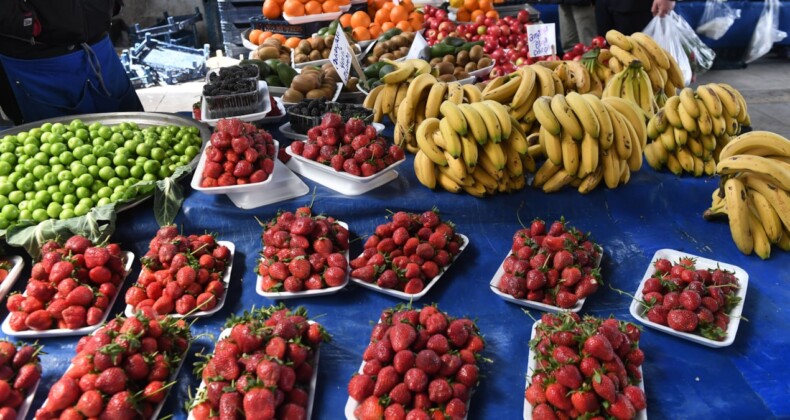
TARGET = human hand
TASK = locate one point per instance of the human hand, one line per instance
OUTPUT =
(662, 7)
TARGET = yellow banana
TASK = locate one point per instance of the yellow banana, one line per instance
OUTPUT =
(651, 155)
(399, 75)
(674, 74)
(762, 143)
(525, 88)
(622, 138)
(762, 246)
(658, 54)
(738, 214)
(673, 164)
(671, 111)
(589, 156)
(776, 171)
(456, 167)
(689, 102)
(634, 114)
(490, 120)
(370, 100)
(729, 102)
(425, 132)
(518, 137)
(681, 136)
(486, 180)
(495, 153)
(552, 145)
(767, 215)
(476, 189)
(546, 171)
(545, 115)
(455, 93)
(435, 99)
(469, 151)
(667, 139)
(634, 160)
(455, 117)
(605, 133)
(611, 168)
(485, 163)
(504, 93)
(705, 121)
(425, 169)
(571, 155)
(778, 198)
(472, 93)
(711, 100)
(591, 181)
(444, 181)
(512, 160)
(452, 141)
(689, 122)
(545, 78)
(686, 159)
(615, 38)
(557, 181)
(505, 123)
(584, 113)
(475, 123)
(566, 117)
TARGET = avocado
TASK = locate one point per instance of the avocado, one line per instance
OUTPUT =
(322, 31)
(454, 41)
(273, 80)
(389, 34)
(285, 73)
(332, 28)
(372, 70)
(385, 69)
(272, 63)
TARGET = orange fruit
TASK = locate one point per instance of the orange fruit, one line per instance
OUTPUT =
(254, 34)
(376, 4)
(471, 5)
(387, 6)
(330, 6)
(293, 8)
(492, 14)
(313, 7)
(360, 34)
(344, 2)
(477, 13)
(386, 26)
(292, 42)
(463, 16)
(375, 30)
(485, 5)
(280, 37)
(360, 19)
(404, 26)
(345, 20)
(408, 4)
(416, 25)
(271, 9)
(263, 37)
(382, 16)
(416, 15)
(398, 14)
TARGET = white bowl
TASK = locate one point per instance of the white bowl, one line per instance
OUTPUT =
(637, 309)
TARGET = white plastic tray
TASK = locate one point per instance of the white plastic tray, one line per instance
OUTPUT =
(172, 378)
(344, 175)
(17, 264)
(286, 186)
(288, 133)
(274, 118)
(334, 97)
(277, 91)
(65, 332)
(701, 263)
(482, 73)
(129, 311)
(21, 411)
(494, 286)
(264, 106)
(352, 404)
(197, 177)
(640, 415)
(428, 286)
(320, 17)
(468, 81)
(313, 379)
(316, 63)
(304, 293)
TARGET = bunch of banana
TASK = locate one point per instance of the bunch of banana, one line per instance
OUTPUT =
(632, 83)
(587, 140)
(690, 131)
(477, 148)
(385, 99)
(421, 98)
(575, 76)
(754, 193)
(661, 67)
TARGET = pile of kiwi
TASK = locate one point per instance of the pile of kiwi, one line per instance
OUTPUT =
(457, 67)
(392, 49)
(313, 83)
(317, 48)
(272, 48)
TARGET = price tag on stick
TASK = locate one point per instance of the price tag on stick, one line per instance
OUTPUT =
(342, 57)
(417, 46)
(542, 40)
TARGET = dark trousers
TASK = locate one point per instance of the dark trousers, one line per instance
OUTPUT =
(610, 14)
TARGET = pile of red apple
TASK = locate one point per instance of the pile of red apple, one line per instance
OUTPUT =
(437, 24)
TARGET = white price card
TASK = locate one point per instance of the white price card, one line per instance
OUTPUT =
(542, 40)
(417, 46)
(340, 56)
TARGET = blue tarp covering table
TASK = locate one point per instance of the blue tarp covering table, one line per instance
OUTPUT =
(655, 210)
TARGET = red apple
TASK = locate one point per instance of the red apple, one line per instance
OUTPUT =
(441, 14)
(523, 16)
(568, 56)
(446, 26)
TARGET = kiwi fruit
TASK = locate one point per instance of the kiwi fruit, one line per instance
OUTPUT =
(315, 55)
(378, 50)
(470, 67)
(484, 62)
(445, 68)
(265, 53)
(315, 94)
(292, 96)
(476, 53)
(301, 58)
(435, 61)
(404, 50)
(460, 74)
(325, 53)
(387, 56)
(398, 41)
(462, 58)
(446, 78)
(449, 58)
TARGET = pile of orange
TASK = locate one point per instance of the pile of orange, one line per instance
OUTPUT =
(471, 9)
(273, 9)
(257, 37)
(382, 15)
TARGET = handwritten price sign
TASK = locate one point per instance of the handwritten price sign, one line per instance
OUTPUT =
(340, 56)
(542, 40)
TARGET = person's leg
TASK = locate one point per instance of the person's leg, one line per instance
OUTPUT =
(603, 17)
(568, 33)
(584, 17)
(631, 22)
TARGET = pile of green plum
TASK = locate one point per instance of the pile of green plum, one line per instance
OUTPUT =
(59, 171)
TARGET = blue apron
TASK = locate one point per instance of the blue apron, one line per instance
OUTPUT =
(89, 80)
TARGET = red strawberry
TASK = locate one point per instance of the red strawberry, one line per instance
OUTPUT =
(402, 336)
(568, 376)
(121, 407)
(585, 402)
(386, 379)
(259, 403)
(90, 403)
(440, 391)
(370, 409)
(111, 381)
(458, 333)
(604, 387)
(535, 394)
(428, 361)
(682, 320)
(598, 346)
(27, 376)
(467, 375)
(543, 412)
(416, 380)
(64, 393)
(39, 320)
(556, 395)
(400, 394)
(360, 387)
(621, 408)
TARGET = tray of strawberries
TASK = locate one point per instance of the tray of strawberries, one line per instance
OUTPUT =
(691, 297)
(407, 256)
(10, 267)
(423, 359)
(238, 159)
(21, 367)
(282, 361)
(550, 269)
(350, 158)
(568, 356)
(70, 290)
(183, 276)
(303, 255)
(122, 371)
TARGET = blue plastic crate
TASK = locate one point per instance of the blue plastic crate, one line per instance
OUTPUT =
(238, 12)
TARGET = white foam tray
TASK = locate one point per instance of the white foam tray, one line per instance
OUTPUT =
(264, 106)
(482, 73)
(17, 264)
(702, 263)
(494, 286)
(320, 17)
(640, 415)
(129, 311)
(288, 133)
(313, 379)
(285, 186)
(21, 411)
(274, 118)
(414, 296)
(65, 332)
(197, 178)
(304, 293)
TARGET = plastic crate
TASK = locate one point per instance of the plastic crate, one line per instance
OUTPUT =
(234, 50)
(283, 27)
(179, 30)
(238, 11)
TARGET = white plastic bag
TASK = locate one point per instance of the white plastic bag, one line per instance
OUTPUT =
(766, 33)
(717, 19)
(675, 35)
